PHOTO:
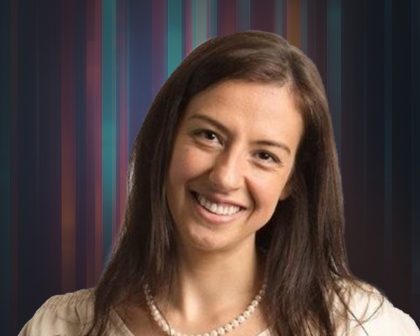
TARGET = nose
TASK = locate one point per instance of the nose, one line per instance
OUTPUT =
(227, 173)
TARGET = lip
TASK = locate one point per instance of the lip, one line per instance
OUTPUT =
(212, 217)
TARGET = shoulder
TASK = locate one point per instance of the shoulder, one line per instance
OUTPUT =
(69, 313)
(372, 314)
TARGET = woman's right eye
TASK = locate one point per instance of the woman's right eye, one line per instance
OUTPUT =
(207, 135)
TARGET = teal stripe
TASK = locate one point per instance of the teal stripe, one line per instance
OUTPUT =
(243, 12)
(5, 172)
(279, 17)
(212, 12)
(334, 65)
(175, 35)
(199, 20)
(108, 120)
(388, 138)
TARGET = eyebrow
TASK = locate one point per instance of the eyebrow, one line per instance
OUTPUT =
(221, 127)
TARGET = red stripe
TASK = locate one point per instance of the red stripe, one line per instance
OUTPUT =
(94, 138)
(188, 27)
(159, 24)
(263, 15)
(227, 17)
(68, 152)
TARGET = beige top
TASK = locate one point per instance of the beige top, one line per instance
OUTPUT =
(69, 314)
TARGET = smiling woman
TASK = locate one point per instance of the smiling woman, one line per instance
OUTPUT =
(227, 173)
(234, 222)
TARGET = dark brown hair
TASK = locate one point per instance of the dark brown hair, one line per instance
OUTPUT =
(303, 241)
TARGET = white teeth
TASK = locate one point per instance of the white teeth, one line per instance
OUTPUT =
(225, 210)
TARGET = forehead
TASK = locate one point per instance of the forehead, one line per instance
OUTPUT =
(250, 106)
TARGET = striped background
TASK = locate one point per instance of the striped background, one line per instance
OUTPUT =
(77, 77)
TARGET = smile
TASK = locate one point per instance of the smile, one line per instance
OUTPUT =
(216, 208)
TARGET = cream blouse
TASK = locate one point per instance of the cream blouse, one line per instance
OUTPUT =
(70, 314)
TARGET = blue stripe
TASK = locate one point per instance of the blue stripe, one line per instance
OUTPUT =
(243, 14)
(212, 18)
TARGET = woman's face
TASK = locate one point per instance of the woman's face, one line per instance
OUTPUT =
(233, 154)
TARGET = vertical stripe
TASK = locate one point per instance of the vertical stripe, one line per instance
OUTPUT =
(108, 121)
(227, 17)
(187, 18)
(388, 138)
(243, 14)
(263, 15)
(334, 65)
(293, 22)
(158, 44)
(94, 136)
(415, 154)
(280, 17)
(364, 197)
(14, 178)
(5, 169)
(200, 24)
(304, 25)
(140, 45)
(175, 35)
(122, 80)
(212, 18)
(68, 155)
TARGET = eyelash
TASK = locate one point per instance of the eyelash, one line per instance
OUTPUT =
(204, 133)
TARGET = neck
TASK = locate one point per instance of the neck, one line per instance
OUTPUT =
(215, 281)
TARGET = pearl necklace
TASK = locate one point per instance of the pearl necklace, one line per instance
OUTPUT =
(228, 327)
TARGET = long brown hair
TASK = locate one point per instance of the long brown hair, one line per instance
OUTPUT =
(304, 244)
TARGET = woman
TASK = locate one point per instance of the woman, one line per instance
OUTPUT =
(234, 222)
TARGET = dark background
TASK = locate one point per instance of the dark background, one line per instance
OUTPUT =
(77, 77)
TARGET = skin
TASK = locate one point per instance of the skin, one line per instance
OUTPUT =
(235, 146)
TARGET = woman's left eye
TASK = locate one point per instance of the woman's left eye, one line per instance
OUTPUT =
(267, 157)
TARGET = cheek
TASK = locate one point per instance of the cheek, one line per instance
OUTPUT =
(268, 191)
(187, 163)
